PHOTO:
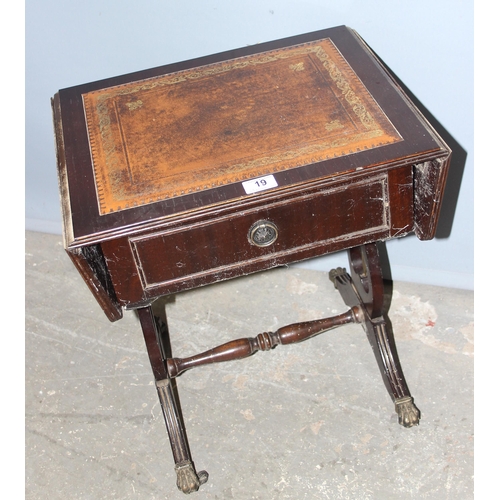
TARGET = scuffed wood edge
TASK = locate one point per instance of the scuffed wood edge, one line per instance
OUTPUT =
(429, 182)
(104, 297)
(62, 176)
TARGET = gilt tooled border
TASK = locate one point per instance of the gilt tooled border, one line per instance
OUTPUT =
(107, 137)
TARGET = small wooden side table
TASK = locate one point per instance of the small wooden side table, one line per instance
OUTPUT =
(201, 171)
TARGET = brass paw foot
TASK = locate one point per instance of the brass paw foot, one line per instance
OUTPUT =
(408, 413)
(339, 273)
(187, 479)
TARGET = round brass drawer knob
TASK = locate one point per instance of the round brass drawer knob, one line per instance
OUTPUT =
(263, 233)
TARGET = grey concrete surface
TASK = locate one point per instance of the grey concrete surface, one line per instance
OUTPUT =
(306, 421)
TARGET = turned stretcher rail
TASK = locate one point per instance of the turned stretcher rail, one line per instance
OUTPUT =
(242, 348)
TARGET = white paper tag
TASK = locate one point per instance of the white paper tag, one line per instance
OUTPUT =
(259, 184)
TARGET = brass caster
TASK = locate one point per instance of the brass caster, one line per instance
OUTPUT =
(188, 481)
(408, 413)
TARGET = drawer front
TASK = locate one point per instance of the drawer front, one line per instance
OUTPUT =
(269, 235)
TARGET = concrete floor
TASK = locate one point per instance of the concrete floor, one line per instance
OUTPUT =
(306, 421)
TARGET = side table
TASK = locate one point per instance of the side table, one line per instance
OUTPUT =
(188, 174)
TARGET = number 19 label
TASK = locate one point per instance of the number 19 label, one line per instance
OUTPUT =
(259, 184)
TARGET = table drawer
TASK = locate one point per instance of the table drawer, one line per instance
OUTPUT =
(268, 234)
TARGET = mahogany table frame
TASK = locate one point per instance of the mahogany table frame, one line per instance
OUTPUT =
(346, 196)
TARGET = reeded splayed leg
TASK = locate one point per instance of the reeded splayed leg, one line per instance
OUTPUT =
(188, 481)
(365, 289)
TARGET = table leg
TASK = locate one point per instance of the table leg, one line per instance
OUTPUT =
(188, 480)
(365, 289)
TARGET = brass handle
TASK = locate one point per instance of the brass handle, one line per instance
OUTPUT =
(263, 233)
